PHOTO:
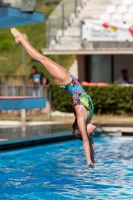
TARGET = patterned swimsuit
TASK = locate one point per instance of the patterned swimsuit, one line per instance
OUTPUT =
(79, 96)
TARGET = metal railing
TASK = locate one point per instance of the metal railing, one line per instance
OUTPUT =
(27, 90)
(23, 90)
(60, 19)
(14, 80)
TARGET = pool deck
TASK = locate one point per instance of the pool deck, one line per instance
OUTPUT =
(17, 135)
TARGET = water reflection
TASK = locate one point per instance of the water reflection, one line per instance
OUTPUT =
(27, 131)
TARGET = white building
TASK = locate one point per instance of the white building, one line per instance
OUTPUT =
(98, 32)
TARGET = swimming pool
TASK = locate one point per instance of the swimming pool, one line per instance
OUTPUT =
(57, 171)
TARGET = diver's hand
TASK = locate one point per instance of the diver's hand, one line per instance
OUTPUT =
(17, 35)
(95, 166)
(91, 165)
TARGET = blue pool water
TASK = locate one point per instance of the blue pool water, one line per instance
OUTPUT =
(57, 171)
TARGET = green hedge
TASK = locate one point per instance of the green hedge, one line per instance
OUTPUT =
(112, 99)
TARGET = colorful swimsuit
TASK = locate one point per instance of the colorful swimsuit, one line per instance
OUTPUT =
(80, 97)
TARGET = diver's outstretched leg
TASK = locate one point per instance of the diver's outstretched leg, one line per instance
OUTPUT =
(59, 73)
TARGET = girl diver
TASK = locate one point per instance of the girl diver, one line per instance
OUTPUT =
(83, 106)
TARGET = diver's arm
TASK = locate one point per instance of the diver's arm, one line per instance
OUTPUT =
(91, 141)
(92, 148)
(86, 144)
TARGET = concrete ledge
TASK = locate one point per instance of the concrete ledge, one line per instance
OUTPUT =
(13, 124)
(115, 129)
(106, 134)
(91, 51)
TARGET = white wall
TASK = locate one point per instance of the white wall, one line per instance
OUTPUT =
(24, 5)
(14, 3)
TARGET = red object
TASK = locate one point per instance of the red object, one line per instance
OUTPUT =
(102, 84)
(131, 30)
(93, 84)
(85, 83)
(105, 25)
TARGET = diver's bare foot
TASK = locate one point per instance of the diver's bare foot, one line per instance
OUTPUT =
(17, 35)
